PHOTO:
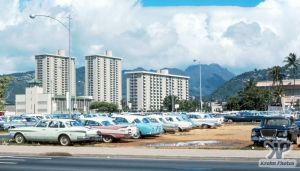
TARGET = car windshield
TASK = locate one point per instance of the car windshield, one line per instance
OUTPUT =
(73, 123)
(145, 120)
(153, 120)
(106, 123)
(277, 122)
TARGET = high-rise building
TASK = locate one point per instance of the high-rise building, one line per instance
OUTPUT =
(103, 78)
(53, 72)
(146, 91)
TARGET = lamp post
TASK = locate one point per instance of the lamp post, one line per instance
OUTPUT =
(68, 28)
(200, 84)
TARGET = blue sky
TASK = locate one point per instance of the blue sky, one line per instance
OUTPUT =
(241, 3)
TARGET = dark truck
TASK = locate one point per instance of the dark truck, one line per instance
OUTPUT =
(275, 129)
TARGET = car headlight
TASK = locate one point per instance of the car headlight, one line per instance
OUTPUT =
(283, 134)
(253, 133)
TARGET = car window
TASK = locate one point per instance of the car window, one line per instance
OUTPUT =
(170, 119)
(106, 123)
(42, 124)
(178, 119)
(136, 121)
(61, 125)
(277, 122)
(92, 123)
(121, 120)
(153, 120)
(73, 124)
(53, 124)
(145, 120)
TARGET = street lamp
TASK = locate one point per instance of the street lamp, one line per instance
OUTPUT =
(200, 83)
(68, 28)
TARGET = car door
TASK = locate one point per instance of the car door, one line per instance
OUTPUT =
(53, 131)
(39, 132)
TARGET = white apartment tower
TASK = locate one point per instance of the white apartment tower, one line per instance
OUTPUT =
(103, 78)
(53, 72)
(146, 91)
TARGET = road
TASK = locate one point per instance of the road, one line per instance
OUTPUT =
(23, 163)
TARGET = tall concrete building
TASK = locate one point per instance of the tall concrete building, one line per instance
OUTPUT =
(103, 78)
(146, 91)
(53, 72)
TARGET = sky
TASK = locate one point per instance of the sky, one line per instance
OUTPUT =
(240, 35)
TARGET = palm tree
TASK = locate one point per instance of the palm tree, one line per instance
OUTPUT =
(277, 76)
(292, 63)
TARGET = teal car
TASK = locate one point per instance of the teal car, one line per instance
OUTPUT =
(145, 126)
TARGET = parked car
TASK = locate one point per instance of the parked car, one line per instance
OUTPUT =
(1, 123)
(205, 120)
(63, 131)
(275, 129)
(244, 116)
(167, 126)
(182, 124)
(60, 116)
(109, 131)
(145, 126)
(19, 121)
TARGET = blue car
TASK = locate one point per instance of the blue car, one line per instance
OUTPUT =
(145, 126)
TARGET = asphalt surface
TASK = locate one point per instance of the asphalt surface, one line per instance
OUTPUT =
(27, 163)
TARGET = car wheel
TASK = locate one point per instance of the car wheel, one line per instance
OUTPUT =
(64, 140)
(19, 138)
(180, 130)
(108, 139)
(230, 120)
(295, 140)
(136, 136)
(205, 126)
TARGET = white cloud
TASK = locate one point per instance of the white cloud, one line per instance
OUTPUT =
(152, 37)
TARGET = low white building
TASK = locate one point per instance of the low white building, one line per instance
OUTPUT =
(35, 101)
(291, 93)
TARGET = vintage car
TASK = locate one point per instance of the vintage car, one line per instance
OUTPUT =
(167, 127)
(244, 116)
(182, 124)
(109, 131)
(275, 129)
(19, 121)
(63, 131)
(145, 126)
(1, 124)
(205, 120)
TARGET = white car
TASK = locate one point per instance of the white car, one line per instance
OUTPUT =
(182, 125)
(1, 124)
(205, 120)
(63, 131)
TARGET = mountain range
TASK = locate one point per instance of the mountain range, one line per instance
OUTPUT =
(213, 76)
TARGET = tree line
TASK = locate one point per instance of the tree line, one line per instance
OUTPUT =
(255, 98)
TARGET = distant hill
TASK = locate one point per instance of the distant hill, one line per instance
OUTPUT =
(236, 84)
(213, 76)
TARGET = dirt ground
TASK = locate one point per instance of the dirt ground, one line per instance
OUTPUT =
(228, 136)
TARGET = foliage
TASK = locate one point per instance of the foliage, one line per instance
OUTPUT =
(292, 63)
(250, 98)
(4, 81)
(104, 107)
(277, 76)
(168, 101)
(188, 105)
